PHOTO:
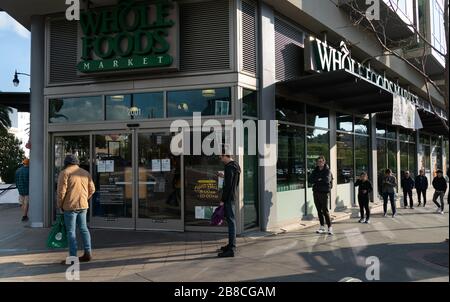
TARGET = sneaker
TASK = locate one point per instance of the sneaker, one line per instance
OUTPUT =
(330, 231)
(412, 208)
(394, 215)
(442, 213)
(25, 219)
(367, 221)
(419, 204)
(226, 254)
(385, 215)
(438, 211)
(321, 230)
(361, 220)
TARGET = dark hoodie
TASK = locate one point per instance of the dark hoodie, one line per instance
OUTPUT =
(321, 180)
(231, 182)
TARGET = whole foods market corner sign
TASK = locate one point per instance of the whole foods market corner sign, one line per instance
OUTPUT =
(132, 35)
(321, 57)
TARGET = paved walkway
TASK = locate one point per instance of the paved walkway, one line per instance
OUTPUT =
(411, 247)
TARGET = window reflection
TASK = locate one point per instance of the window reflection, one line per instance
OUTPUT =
(344, 157)
(76, 110)
(209, 102)
(317, 117)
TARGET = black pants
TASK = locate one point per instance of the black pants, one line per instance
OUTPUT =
(421, 193)
(231, 222)
(405, 198)
(321, 203)
(440, 195)
(391, 197)
(363, 201)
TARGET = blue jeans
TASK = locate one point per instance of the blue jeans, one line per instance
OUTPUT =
(231, 222)
(385, 201)
(71, 220)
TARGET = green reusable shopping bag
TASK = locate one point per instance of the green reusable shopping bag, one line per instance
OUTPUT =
(57, 238)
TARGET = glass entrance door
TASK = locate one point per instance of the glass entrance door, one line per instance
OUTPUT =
(113, 175)
(159, 189)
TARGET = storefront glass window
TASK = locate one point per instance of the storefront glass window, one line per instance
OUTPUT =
(392, 156)
(344, 122)
(361, 154)
(250, 103)
(412, 159)
(404, 153)
(317, 117)
(118, 107)
(290, 111)
(424, 139)
(381, 130)
(381, 160)
(148, 105)
(318, 143)
(76, 110)
(291, 158)
(344, 157)
(209, 102)
(362, 125)
(391, 132)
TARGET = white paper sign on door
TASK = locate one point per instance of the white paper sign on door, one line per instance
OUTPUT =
(101, 166)
(109, 166)
(165, 165)
(156, 165)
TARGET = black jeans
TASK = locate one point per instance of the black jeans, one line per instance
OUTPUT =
(421, 193)
(405, 198)
(321, 202)
(363, 201)
(231, 222)
(391, 197)
(440, 195)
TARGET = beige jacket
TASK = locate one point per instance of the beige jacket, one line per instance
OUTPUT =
(75, 188)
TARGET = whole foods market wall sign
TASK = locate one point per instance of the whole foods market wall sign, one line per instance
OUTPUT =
(132, 35)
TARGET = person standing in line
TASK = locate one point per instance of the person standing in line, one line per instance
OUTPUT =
(23, 186)
(440, 186)
(75, 188)
(230, 185)
(389, 184)
(407, 186)
(364, 189)
(322, 182)
(421, 184)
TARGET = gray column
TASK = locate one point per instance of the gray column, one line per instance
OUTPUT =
(333, 158)
(37, 122)
(268, 179)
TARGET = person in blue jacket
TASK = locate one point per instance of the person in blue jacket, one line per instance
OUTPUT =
(23, 186)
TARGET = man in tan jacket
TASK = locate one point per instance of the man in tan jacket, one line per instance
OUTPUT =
(75, 188)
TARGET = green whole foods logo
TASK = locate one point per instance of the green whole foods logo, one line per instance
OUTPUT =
(130, 35)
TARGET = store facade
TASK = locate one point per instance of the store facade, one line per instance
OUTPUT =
(113, 84)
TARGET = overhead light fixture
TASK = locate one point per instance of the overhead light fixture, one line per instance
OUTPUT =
(117, 98)
(209, 93)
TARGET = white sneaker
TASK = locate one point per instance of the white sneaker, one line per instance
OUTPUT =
(361, 220)
(367, 221)
(438, 211)
(321, 230)
(442, 212)
(330, 231)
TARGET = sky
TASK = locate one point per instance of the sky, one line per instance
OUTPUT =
(14, 54)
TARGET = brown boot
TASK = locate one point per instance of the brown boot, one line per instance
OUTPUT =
(85, 258)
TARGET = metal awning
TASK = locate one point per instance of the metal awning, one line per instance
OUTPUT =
(17, 100)
(432, 123)
(338, 89)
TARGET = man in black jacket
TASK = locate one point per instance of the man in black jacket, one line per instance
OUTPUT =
(421, 183)
(321, 180)
(407, 186)
(231, 183)
(440, 185)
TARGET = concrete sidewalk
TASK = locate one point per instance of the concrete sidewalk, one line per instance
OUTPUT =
(410, 247)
